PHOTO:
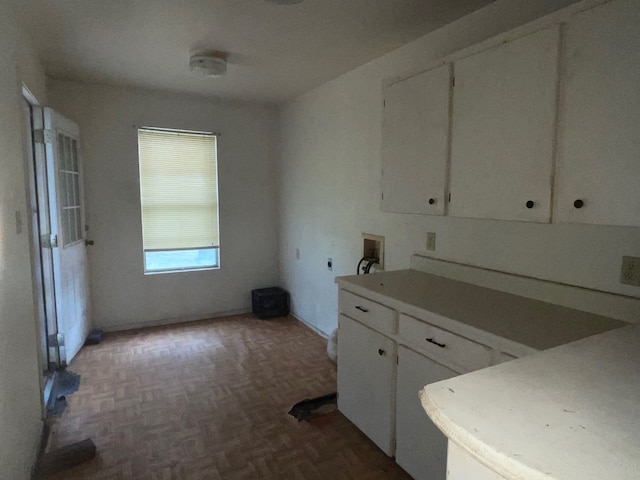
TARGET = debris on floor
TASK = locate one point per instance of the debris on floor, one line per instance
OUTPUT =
(94, 337)
(309, 408)
(65, 383)
(64, 458)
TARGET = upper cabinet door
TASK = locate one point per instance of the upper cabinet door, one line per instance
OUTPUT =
(598, 164)
(504, 117)
(415, 143)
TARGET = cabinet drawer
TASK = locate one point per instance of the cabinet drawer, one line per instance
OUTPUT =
(439, 343)
(367, 311)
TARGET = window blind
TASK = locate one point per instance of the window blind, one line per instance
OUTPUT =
(178, 189)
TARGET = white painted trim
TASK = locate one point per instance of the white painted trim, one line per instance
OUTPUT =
(311, 327)
(171, 321)
(620, 307)
(29, 96)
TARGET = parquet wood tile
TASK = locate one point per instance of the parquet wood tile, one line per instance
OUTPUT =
(209, 400)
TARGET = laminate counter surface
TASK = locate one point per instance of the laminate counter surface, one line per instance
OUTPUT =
(533, 323)
(570, 413)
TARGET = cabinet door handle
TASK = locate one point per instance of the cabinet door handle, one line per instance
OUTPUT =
(362, 309)
(578, 203)
(381, 352)
(432, 201)
(530, 204)
(431, 340)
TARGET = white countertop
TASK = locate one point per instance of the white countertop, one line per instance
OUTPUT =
(569, 413)
(528, 322)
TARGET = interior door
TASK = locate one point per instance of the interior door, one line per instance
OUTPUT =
(66, 208)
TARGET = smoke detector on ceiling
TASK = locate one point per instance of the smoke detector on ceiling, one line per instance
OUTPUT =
(212, 63)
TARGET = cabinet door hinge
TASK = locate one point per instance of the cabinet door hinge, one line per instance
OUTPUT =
(42, 135)
(449, 197)
(397, 359)
(382, 195)
(453, 81)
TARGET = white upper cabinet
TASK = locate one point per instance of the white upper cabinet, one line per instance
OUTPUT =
(598, 163)
(504, 119)
(415, 143)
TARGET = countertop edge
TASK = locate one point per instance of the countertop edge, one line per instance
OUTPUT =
(501, 464)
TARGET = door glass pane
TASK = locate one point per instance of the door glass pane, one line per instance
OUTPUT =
(61, 151)
(69, 186)
(74, 155)
(65, 153)
(76, 190)
(64, 189)
(66, 215)
(78, 223)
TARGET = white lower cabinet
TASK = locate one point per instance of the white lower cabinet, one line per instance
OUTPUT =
(385, 357)
(366, 380)
(421, 449)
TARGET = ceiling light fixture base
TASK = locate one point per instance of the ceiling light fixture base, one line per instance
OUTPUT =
(210, 63)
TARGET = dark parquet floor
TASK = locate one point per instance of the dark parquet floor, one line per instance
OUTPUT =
(209, 400)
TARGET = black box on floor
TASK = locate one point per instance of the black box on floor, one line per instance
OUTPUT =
(94, 337)
(270, 302)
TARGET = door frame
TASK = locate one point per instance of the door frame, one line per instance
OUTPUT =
(49, 359)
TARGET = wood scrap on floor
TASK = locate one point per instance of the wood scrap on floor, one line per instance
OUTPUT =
(64, 458)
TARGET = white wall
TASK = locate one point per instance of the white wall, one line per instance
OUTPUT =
(20, 406)
(122, 296)
(329, 190)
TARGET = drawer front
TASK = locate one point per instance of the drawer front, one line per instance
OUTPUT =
(375, 315)
(439, 343)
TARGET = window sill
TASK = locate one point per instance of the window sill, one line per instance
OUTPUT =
(185, 270)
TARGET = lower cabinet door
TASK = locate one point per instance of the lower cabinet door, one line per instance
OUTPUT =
(421, 449)
(366, 368)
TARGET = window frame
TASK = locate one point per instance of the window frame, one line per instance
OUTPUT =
(186, 268)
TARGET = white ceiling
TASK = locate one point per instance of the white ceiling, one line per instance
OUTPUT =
(275, 52)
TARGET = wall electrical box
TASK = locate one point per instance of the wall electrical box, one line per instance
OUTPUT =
(373, 247)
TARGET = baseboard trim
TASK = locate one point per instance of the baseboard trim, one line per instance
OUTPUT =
(41, 446)
(171, 321)
(311, 327)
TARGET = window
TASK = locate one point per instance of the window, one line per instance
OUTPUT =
(70, 195)
(179, 199)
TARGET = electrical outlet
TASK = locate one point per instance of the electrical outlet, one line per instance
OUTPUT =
(431, 241)
(630, 271)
